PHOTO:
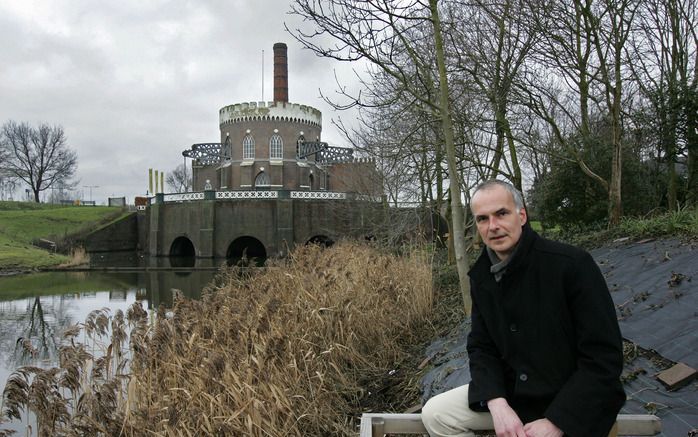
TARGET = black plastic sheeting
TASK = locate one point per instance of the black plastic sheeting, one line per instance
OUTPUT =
(655, 292)
(654, 285)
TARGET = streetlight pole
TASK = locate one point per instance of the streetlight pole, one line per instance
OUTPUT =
(90, 187)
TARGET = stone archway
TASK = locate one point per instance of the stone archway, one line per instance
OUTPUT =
(182, 253)
(246, 251)
(320, 240)
(182, 246)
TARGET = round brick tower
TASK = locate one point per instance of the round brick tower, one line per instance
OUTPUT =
(260, 140)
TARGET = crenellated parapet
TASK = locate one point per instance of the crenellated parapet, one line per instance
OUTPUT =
(270, 111)
(363, 160)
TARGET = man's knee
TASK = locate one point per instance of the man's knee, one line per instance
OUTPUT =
(428, 414)
(434, 419)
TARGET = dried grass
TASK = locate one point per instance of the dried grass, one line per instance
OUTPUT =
(78, 257)
(286, 351)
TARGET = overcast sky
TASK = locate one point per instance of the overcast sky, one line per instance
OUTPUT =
(133, 82)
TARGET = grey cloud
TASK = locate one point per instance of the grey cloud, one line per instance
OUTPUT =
(134, 83)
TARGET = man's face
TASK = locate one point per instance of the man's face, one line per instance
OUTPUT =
(497, 219)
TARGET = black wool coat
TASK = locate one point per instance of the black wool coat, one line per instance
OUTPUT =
(546, 338)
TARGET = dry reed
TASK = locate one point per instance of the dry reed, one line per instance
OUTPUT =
(286, 351)
(78, 257)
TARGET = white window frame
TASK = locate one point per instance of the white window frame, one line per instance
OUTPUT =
(276, 147)
(248, 147)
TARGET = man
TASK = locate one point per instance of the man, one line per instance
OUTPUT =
(545, 348)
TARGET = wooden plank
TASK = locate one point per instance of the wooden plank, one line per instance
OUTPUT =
(366, 430)
(639, 424)
(377, 424)
(397, 423)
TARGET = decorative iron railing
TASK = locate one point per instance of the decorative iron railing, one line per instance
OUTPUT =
(321, 195)
(247, 194)
(258, 194)
(183, 197)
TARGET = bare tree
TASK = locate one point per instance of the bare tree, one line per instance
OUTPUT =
(382, 33)
(663, 53)
(179, 179)
(402, 139)
(580, 72)
(495, 40)
(7, 184)
(37, 156)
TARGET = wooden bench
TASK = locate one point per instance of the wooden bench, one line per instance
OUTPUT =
(379, 424)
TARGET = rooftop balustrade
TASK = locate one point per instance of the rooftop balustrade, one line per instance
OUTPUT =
(258, 194)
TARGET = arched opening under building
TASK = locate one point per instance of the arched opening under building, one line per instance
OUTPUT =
(182, 253)
(246, 251)
(321, 240)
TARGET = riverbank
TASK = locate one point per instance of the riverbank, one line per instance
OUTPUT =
(35, 236)
(290, 351)
(356, 340)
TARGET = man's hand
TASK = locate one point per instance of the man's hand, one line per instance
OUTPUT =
(542, 428)
(506, 421)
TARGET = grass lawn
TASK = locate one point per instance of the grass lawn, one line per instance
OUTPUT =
(23, 222)
(18, 255)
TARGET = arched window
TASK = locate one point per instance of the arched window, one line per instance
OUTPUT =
(227, 149)
(276, 147)
(248, 147)
(301, 139)
(311, 179)
(262, 180)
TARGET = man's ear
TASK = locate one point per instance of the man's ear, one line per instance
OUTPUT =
(523, 215)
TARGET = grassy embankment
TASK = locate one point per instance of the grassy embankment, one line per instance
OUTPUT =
(23, 223)
(290, 350)
(682, 223)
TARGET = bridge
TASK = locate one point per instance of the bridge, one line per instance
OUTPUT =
(191, 227)
(255, 223)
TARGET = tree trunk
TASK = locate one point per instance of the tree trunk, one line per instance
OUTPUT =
(692, 143)
(615, 199)
(458, 231)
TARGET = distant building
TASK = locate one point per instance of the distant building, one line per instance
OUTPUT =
(270, 184)
(277, 146)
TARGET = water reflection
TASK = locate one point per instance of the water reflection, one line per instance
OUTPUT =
(182, 261)
(132, 259)
(35, 309)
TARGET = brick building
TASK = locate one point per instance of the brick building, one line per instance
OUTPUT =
(277, 146)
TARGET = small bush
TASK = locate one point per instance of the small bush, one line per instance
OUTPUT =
(683, 221)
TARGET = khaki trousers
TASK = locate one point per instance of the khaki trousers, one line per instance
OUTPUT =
(448, 414)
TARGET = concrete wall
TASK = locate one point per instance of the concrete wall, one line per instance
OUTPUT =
(121, 235)
(279, 224)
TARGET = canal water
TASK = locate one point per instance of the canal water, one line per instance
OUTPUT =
(38, 307)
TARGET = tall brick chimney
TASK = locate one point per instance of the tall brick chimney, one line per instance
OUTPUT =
(280, 73)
